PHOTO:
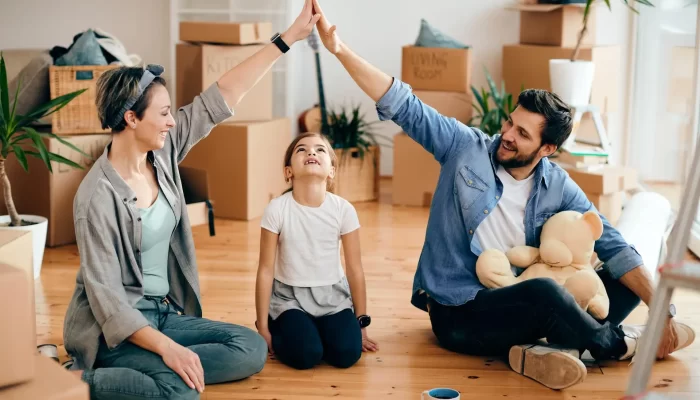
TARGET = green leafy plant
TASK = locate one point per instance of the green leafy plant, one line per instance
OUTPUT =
(16, 133)
(492, 107)
(586, 13)
(349, 131)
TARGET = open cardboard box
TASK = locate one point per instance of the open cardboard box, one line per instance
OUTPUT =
(244, 178)
(195, 187)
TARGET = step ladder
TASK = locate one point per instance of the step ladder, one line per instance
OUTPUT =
(603, 140)
(674, 273)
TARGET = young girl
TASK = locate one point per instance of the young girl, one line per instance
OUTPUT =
(303, 300)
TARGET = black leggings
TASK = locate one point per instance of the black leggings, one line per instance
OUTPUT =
(527, 311)
(302, 341)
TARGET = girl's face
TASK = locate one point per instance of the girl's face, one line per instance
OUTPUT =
(310, 158)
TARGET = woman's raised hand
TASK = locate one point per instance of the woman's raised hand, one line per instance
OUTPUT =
(303, 25)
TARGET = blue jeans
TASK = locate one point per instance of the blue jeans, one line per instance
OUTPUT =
(227, 353)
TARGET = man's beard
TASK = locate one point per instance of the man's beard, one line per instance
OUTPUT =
(518, 160)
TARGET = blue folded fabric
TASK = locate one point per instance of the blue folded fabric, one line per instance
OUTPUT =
(432, 37)
(85, 51)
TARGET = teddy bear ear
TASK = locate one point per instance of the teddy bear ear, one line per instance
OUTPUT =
(594, 222)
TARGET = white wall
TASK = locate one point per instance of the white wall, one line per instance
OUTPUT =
(141, 25)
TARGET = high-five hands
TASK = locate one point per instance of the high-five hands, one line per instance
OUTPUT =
(303, 25)
(326, 31)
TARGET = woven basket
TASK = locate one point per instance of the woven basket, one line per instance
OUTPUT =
(80, 115)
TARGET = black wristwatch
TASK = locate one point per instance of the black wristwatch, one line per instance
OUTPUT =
(277, 39)
(364, 321)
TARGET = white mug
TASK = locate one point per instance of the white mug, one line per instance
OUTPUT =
(440, 393)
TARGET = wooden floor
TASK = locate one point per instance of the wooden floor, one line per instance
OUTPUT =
(409, 360)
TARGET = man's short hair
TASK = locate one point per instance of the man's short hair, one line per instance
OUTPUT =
(557, 114)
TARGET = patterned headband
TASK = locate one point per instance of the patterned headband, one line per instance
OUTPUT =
(149, 74)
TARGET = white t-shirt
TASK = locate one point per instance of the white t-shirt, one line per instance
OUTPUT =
(504, 227)
(308, 251)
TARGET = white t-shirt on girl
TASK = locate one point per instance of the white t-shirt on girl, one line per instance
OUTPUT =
(308, 251)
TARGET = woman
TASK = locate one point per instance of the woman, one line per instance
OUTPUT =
(134, 325)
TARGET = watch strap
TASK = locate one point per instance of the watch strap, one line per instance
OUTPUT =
(277, 40)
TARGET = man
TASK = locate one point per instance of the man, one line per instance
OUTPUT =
(497, 192)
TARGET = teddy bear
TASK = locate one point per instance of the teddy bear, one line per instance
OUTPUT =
(565, 252)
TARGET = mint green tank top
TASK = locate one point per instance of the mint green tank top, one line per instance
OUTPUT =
(158, 223)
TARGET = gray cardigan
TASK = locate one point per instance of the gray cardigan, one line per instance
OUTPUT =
(108, 234)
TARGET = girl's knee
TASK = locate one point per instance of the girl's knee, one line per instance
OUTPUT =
(307, 354)
(344, 355)
(346, 358)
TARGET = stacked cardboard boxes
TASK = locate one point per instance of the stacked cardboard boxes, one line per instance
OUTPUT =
(441, 78)
(606, 186)
(26, 375)
(550, 31)
(243, 155)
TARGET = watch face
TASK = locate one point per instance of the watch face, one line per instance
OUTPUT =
(364, 321)
(672, 310)
(274, 37)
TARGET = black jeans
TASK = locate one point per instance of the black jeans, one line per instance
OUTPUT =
(498, 319)
(302, 341)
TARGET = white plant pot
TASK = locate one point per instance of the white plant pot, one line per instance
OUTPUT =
(572, 81)
(38, 236)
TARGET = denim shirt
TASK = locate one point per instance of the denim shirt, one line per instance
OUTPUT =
(468, 190)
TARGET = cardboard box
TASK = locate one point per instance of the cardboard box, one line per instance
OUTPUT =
(51, 195)
(416, 173)
(441, 69)
(603, 179)
(244, 163)
(16, 251)
(17, 342)
(357, 179)
(610, 205)
(199, 66)
(50, 382)
(450, 104)
(195, 187)
(528, 66)
(555, 24)
(238, 33)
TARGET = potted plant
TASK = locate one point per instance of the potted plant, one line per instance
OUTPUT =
(357, 150)
(490, 119)
(18, 138)
(572, 79)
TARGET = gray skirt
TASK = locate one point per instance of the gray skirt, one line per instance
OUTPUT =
(316, 301)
